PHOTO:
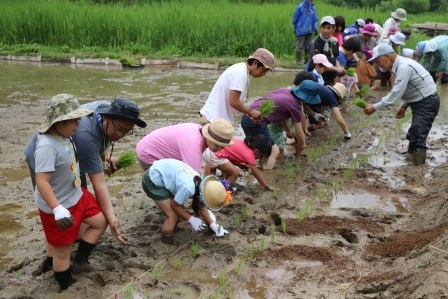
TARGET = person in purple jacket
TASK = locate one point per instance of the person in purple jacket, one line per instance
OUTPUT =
(288, 104)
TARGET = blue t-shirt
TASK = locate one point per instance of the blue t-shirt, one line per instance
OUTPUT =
(327, 98)
(174, 175)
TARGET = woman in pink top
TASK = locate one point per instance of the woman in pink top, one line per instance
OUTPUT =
(241, 154)
(185, 142)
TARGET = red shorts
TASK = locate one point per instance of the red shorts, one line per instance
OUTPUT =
(85, 208)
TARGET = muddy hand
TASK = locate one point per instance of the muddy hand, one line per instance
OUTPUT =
(369, 109)
(400, 112)
(115, 229)
(63, 217)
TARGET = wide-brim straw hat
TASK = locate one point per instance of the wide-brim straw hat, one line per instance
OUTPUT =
(213, 194)
(123, 109)
(219, 131)
(62, 107)
(399, 14)
(339, 89)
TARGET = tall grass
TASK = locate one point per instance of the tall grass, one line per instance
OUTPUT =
(184, 28)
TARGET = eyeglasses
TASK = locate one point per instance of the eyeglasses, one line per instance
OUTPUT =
(121, 131)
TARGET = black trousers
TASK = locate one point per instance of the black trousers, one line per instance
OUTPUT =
(423, 114)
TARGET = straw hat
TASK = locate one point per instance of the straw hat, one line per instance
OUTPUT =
(213, 194)
(219, 131)
(339, 89)
(62, 107)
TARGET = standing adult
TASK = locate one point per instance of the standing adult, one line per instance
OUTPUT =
(415, 87)
(185, 142)
(327, 45)
(232, 88)
(435, 52)
(110, 122)
(304, 22)
(397, 16)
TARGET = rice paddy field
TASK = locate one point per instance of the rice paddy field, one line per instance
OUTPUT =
(197, 28)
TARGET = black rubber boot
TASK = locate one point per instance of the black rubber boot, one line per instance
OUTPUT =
(83, 253)
(298, 57)
(64, 278)
(419, 157)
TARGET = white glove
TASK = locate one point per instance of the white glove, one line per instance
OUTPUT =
(63, 217)
(319, 117)
(347, 136)
(212, 215)
(218, 229)
(197, 223)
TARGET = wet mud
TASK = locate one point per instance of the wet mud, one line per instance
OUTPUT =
(351, 220)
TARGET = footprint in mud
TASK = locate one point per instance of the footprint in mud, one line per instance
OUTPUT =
(97, 279)
(349, 236)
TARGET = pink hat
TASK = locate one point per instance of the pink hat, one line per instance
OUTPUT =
(369, 29)
(393, 30)
(321, 59)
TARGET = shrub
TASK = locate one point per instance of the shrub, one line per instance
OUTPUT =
(413, 6)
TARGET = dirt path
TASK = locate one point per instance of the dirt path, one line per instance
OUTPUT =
(344, 225)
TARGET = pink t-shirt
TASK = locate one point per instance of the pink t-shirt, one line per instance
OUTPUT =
(182, 142)
(237, 153)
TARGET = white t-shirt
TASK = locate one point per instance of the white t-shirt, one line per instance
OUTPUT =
(217, 105)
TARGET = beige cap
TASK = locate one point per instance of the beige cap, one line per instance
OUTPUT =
(264, 56)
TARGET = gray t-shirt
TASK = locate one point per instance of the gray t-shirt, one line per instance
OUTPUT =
(55, 155)
(89, 140)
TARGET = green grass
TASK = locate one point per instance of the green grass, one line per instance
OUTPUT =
(196, 29)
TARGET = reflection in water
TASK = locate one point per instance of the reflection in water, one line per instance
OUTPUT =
(370, 201)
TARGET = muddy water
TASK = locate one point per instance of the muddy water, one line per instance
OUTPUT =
(173, 95)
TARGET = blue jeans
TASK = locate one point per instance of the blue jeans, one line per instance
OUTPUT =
(252, 129)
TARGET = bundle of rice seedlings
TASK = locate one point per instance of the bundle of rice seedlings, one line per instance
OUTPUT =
(360, 103)
(364, 90)
(126, 159)
(267, 107)
(350, 72)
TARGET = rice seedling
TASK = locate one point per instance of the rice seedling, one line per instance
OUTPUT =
(274, 193)
(350, 72)
(239, 265)
(262, 243)
(129, 291)
(364, 90)
(237, 219)
(320, 195)
(194, 249)
(272, 233)
(360, 103)
(126, 159)
(157, 271)
(244, 212)
(251, 253)
(305, 211)
(283, 223)
(267, 107)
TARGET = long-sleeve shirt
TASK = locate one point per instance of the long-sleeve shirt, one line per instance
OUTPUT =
(412, 83)
(436, 54)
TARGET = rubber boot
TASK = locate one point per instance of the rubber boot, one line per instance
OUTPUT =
(298, 57)
(81, 261)
(64, 278)
(419, 157)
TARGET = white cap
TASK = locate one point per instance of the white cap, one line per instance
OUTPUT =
(328, 19)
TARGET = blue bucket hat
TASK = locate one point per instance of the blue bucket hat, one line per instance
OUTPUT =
(308, 91)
